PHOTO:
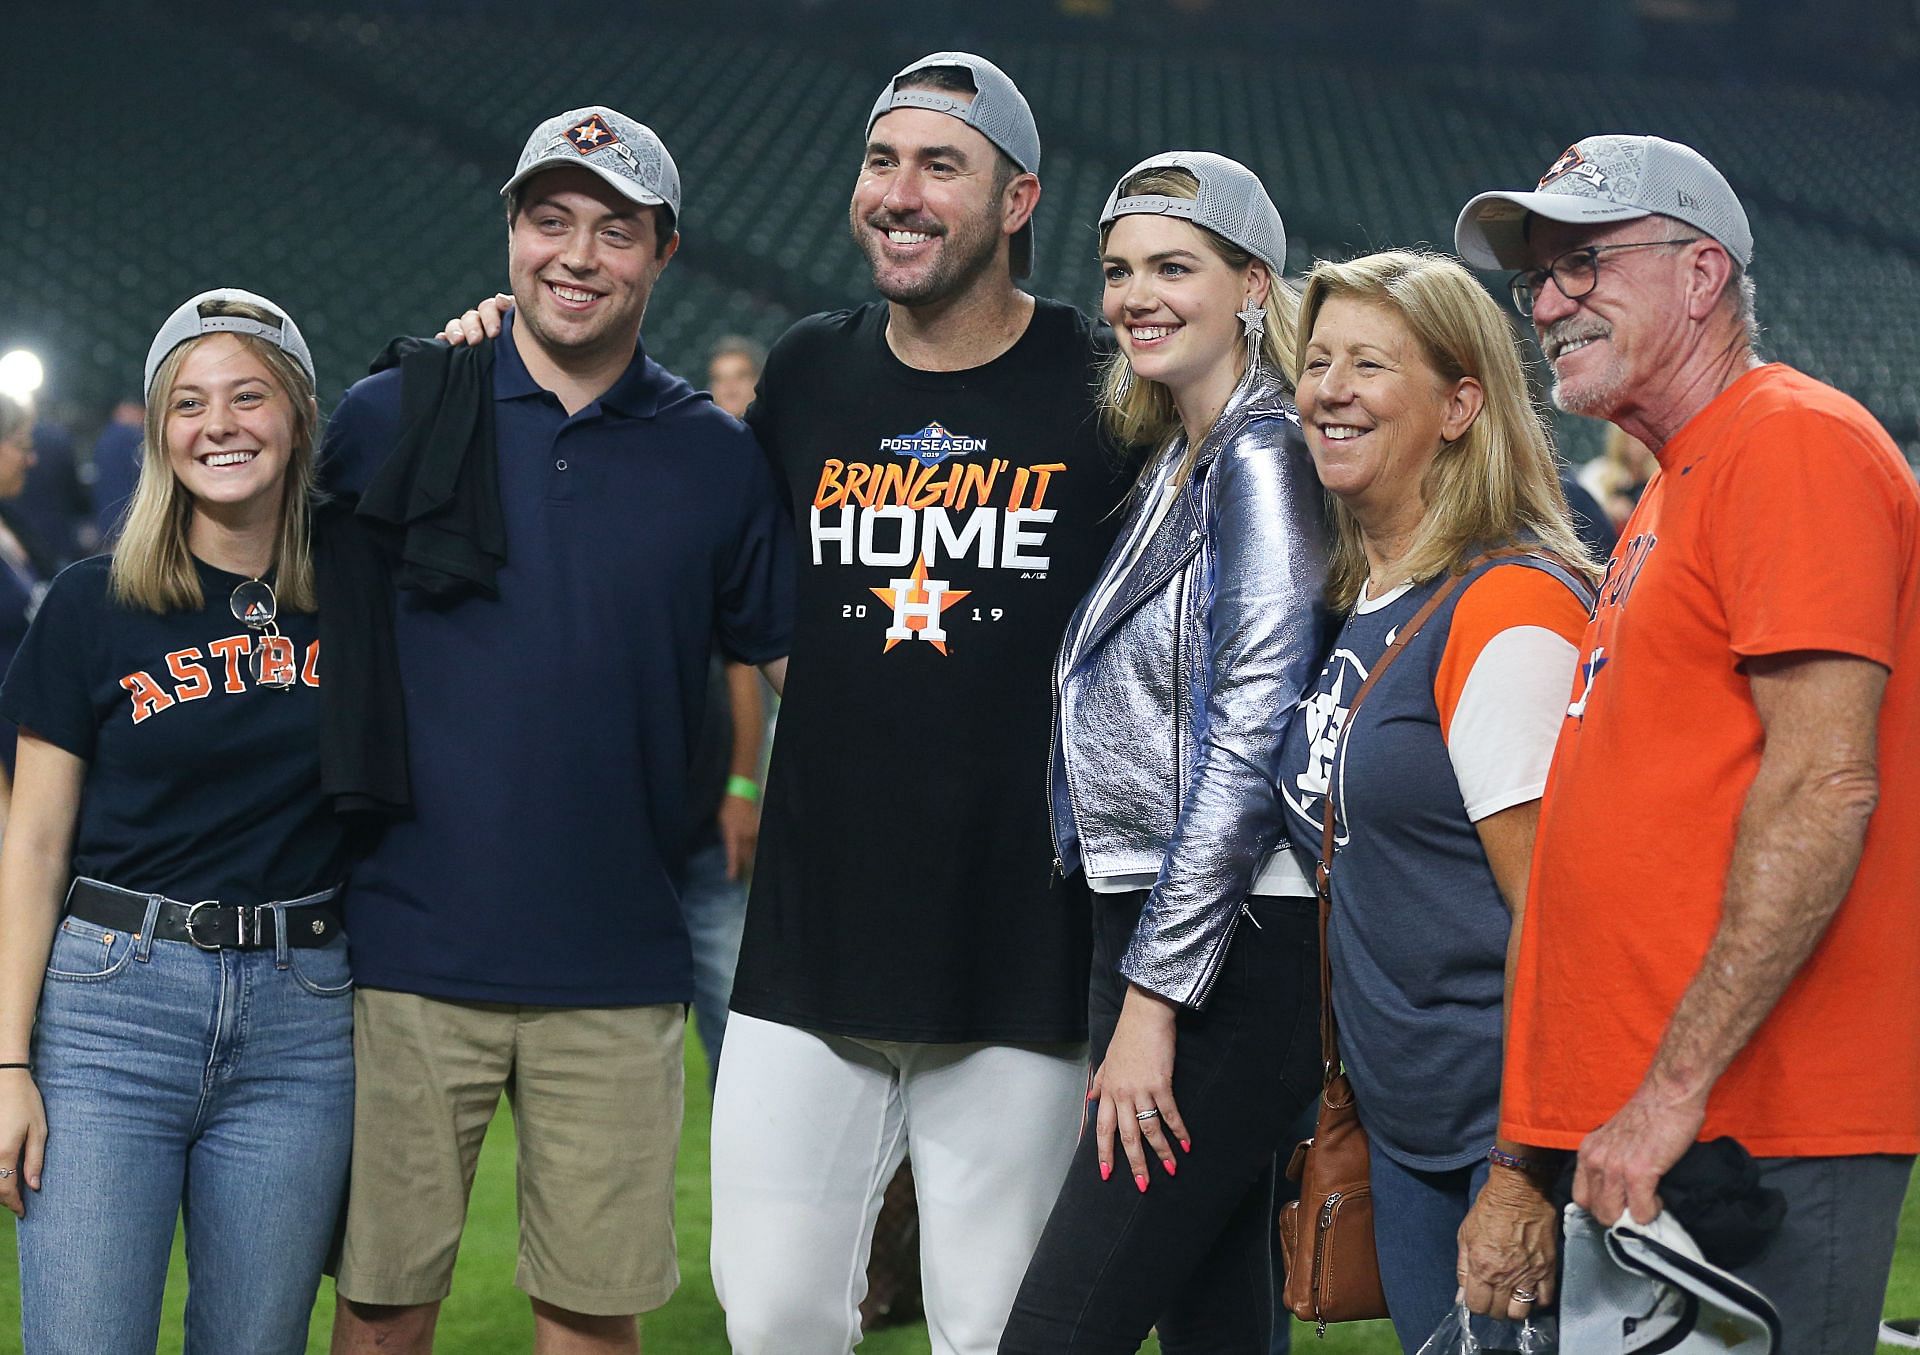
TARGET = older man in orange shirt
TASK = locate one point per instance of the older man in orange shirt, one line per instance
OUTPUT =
(1723, 928)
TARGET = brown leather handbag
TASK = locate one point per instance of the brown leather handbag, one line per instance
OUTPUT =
(1326, 1236)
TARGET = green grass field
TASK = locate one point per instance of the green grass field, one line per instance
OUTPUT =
(486, 1314)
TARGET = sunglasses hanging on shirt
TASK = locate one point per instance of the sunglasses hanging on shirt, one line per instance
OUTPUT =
(255, 607)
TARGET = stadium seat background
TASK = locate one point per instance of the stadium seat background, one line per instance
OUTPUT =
(347, 163)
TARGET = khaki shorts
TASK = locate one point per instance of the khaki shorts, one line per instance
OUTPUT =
(596, 1095)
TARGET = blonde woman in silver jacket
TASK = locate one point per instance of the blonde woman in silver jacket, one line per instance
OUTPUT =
(1175, 681)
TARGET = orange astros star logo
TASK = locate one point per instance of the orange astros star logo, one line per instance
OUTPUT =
(592, 135)
(917, 603)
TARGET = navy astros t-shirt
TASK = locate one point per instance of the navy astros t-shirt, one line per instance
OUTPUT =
(949, 524)
(549, 730)
(201, 784)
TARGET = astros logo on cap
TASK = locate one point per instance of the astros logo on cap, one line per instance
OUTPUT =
(1572, 162)
(591, 135)
(1568, 159)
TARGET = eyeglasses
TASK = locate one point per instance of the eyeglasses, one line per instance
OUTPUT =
(1575, 273)
(255, 607)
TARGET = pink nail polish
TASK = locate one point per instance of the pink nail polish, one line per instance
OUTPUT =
(1186, 1145)
(1106, 1170)
(1141, 1181)
(1168, 1164)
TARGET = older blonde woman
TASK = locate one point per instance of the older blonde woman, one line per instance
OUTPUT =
(1442, 482)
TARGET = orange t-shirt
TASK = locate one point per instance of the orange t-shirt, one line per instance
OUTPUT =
(1783, 518)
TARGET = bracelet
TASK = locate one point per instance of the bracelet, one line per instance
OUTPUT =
(1533, 1166)
(745, 787)
(27, 1066)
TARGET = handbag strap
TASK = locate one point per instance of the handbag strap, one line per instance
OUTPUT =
(1323, 871)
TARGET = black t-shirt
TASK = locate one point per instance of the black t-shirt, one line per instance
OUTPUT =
(948, 523)
(200, 784)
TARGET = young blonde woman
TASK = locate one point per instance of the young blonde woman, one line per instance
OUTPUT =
(1445, 493)
(175, 1013)
(1175, 682)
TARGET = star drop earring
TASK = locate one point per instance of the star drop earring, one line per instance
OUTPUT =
(1253, 321)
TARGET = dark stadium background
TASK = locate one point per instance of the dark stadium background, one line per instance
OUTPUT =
(344, 159)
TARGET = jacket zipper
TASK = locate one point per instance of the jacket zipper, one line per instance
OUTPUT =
(1057, 751)
(1179, 690)
(1053, 753)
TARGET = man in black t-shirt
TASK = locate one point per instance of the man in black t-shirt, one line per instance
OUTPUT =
(914, 972)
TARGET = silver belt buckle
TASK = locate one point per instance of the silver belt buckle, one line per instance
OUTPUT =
(194, 912)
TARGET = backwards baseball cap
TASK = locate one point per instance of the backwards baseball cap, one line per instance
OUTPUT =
(190, 320)
(625, 153)
(998, 111)
(1603, 179)
(1232, 203)
(1646, 1287)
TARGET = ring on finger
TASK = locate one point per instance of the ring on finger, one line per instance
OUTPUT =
(1523, 1296)
(1145, 1115)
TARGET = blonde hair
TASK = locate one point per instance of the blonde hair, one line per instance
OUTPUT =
(1495, 485)
(1140, 413)
(152, 567)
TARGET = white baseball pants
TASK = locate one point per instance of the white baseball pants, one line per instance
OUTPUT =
(808, 1129)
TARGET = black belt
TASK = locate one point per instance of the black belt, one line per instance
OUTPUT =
(210, 925)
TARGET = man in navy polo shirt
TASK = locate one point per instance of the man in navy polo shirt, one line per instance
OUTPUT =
(522, 932)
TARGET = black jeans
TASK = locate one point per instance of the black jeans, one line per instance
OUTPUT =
(1192, 1254)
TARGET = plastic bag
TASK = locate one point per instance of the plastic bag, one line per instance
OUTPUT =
(1539, 1336)
(1455, 1336)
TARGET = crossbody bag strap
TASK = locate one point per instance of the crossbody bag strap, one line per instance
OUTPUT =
(1323, 872)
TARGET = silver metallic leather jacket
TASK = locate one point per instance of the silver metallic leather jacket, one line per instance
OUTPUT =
(1177, 677)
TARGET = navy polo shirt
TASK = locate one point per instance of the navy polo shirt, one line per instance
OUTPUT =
(549, 730)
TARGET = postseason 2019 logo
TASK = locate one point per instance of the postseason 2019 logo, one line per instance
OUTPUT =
(932, 444)
(906, 512)
(1572, 162)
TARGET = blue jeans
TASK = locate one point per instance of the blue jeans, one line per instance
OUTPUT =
(716, 912)
(1416, 1234)
(218, 1083)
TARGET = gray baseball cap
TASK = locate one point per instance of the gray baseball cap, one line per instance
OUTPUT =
(1232, 203)
(1603, 179)
(625, 153)
(998, 111)
(187, 322)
